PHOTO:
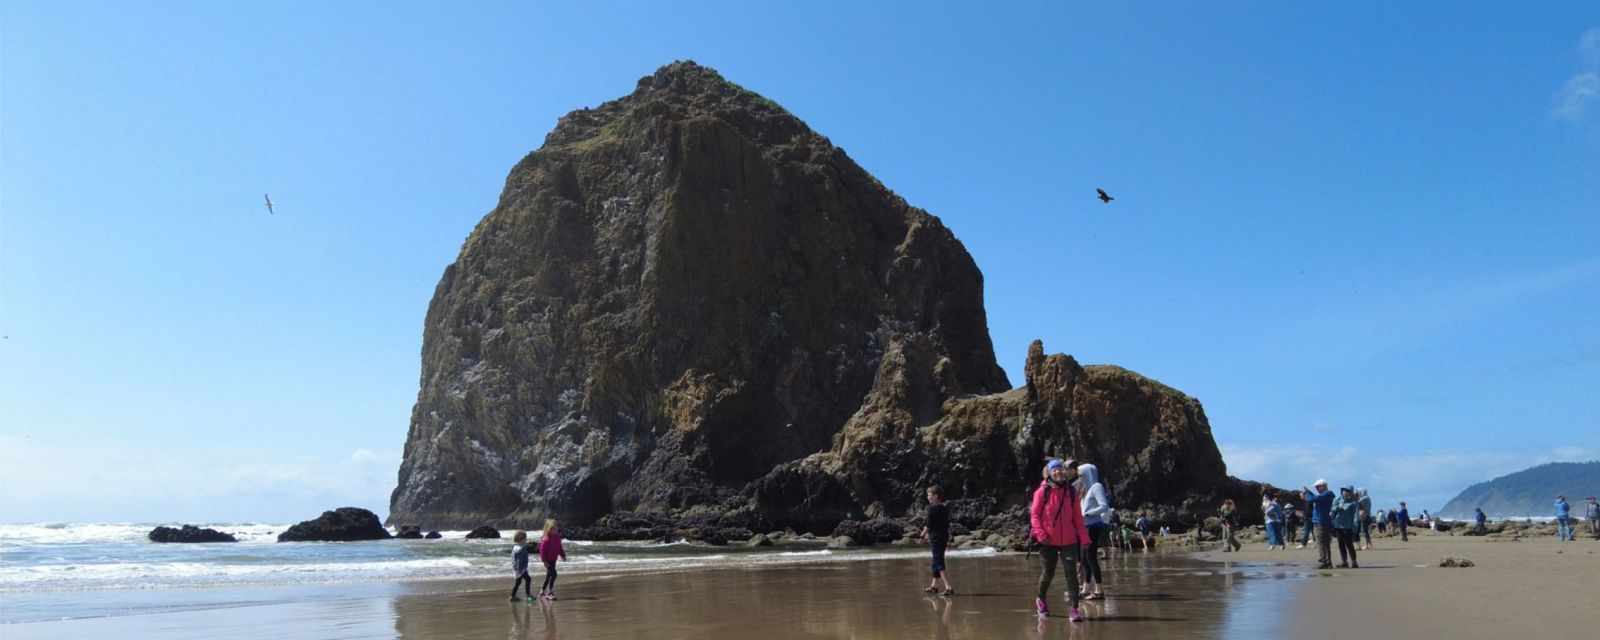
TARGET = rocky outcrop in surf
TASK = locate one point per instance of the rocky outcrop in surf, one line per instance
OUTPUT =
(189, 533)
(690, 313)
(344, 524)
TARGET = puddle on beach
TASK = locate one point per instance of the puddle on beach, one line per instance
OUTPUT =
(1151, 596)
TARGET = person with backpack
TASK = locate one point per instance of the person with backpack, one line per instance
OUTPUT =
(1056, 519)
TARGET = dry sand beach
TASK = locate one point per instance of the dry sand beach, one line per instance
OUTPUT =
(1535, 587)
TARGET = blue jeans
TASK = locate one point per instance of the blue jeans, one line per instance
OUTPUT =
(1564, 529)
(1273, 538)
(1305, 536)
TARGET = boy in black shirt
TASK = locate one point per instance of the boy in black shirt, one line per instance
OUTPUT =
(937, 533)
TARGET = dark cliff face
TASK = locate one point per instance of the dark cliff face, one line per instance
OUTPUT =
(680, 291)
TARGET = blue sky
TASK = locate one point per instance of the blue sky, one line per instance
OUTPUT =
(1366, 237)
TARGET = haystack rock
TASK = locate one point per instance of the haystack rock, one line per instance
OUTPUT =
(687, 303)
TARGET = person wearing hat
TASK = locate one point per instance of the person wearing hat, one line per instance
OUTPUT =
(1320, 504)
(1056, 519)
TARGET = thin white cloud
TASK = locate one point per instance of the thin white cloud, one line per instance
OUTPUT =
(1574, 98)
(1589, 49)
(1583, 89)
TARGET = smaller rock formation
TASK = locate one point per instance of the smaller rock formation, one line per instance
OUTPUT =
(189, 533)
(433, 535)
(344, 524)
(484, 532)
(1453, 561)
(409, 532)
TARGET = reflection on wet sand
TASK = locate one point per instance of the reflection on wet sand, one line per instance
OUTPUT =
(1150, 596)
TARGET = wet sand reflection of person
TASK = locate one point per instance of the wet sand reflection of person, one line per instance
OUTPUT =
(519, 622)
(549, 609)
(941, 616)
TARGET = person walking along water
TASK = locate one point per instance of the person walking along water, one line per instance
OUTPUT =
(1228, 516)
(1479, 520)
(1320, 504)
(1346, 512)
(1056, 523)
(1096, 506)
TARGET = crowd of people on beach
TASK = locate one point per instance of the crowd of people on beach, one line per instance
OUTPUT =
(1071, 520)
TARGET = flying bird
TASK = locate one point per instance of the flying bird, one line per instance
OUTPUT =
(1104, 197)
(271, 212)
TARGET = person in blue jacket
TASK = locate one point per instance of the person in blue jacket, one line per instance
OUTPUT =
(1320, 504)
(1479, 520)
(1564, 520)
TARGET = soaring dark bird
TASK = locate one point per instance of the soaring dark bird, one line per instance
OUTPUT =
(1103, 196)
(271, 212)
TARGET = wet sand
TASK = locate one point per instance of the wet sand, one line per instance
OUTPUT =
(1155, 596)
(1526, 589)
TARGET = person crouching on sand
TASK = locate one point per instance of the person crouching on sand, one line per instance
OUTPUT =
(550, 549)
(1056, 519)
(937, 533)
(519, 566)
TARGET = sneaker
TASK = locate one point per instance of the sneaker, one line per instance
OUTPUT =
(1044, 609)
(1076, 615)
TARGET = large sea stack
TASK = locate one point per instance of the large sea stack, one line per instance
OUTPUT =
(690, 304)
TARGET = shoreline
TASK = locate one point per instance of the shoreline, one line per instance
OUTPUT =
(1155, 594)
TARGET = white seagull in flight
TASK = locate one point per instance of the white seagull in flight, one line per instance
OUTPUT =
(269, 204)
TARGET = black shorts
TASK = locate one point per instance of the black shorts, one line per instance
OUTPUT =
(936, 547)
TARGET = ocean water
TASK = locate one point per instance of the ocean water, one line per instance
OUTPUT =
(58, 571)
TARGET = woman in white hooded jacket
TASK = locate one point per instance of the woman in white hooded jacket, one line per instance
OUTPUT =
(1097, 519)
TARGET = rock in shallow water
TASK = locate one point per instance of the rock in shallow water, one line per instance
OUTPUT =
(189, 533)
(484, 532)
(345, 524)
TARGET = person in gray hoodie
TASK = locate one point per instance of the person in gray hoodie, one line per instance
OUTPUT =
(1097, 518)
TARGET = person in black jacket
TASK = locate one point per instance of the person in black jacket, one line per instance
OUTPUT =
(937, 533)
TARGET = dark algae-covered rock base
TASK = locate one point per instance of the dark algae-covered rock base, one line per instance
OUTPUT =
(484, 532)
(189, 533)
(344, 524)
(689, 313)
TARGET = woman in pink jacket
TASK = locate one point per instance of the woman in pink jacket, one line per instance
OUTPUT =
(1057, 519)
